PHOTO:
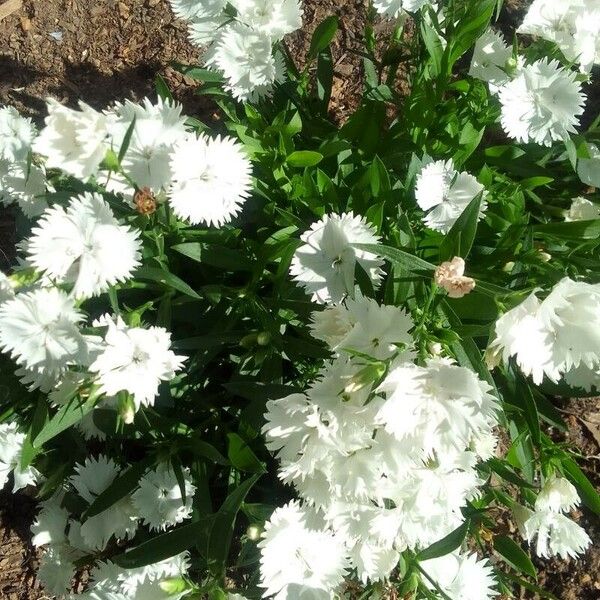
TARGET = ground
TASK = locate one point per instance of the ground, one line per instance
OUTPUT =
(110, 50)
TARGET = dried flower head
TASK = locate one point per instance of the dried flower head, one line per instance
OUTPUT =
(450, 276)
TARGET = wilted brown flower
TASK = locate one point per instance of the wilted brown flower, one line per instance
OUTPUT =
(145, 202)
(450, 276)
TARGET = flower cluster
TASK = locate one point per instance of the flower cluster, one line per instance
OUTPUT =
(242, 36)
(66, 538)
(541, 101)
(557, 337)
(557, 535)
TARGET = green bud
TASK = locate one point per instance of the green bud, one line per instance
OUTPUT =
(249, 341)
(263, 338)
(126, 407)
(173, 586)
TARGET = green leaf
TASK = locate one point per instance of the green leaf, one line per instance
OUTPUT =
(167, 279)
(531, 413)
(513, 554)
(66, 417)
(322, 36)
(241, 455)
(571, 230)
(206, 450)
(324, 77)
(162, 89)
(459, 240)
(215, 256)
(221, 533)
(588, 493)
(127, 140)
(205, 75)
(507, 473)
(304, 158)
(165, 546)
(447, 544)
(410, 262)
(125, 483)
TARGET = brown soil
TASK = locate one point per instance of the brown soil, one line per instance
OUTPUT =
(109, 50)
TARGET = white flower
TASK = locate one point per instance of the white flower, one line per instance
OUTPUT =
(246, 59)
(119, 520)
(362, 324)
(292, 553)
(73, 141)
(588, 169)
(557, 535)
(50, 524)
(542, 104)
(461, 576)
(158, 127)
(490, 58)
(211, 179)
(325, 264)
(583, 377)
(394, 8)
(56, 570)
(446, 193)
(274, 18)
(557, 494)
(582, 210)
(159, 501)
(572, 314)
(111, 582)
(16, 135)
(572, 25)
(521, 333)
(135, 360)
(25, 185)
(84, 245)
(11, 447)
(40, 330)
(441, 405)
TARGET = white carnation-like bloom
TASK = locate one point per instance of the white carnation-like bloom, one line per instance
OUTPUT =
(24, 184)
(588, 169)
(584, 377)
(442, 405)
(158, 127)
(573, 26)
(558, 494)
(119, 520)
(11, 447)
(326, 263)
(542, 104)
(557, 535)
(74, 141)
(135, 360)
(211, 179)
(490, 58)
(246, 59)
(572, 314)
(40, 330)
(461, 576)
(445, 193)
(85, 245)
(362, 324)
(393, 9)
(522, 334)
(111, 582)
(57, 569)
(295, 554)
(51, 522)
(159, 500)
(274, 18)
(16, 135)
(582, 209)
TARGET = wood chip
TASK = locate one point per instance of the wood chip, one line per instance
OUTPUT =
(9, 7)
